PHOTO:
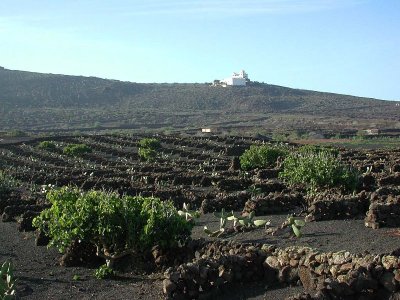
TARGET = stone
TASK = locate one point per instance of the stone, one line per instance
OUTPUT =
(272, 262)
(397, 275)
(288, 275)
(203, 272)
(340, 289)
(168, 287)
(388, 281)
(334, 270)
(345, 267)
(390, 262)
(310, 258)
(308, 280)
(293, 262)
(321, 269)
(340, 258)
(395, 296)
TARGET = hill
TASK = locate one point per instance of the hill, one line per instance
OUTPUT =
(48, 101)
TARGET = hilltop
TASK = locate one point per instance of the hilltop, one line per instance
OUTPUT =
(48, 101)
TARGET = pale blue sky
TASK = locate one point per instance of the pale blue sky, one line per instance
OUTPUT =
(342, 46)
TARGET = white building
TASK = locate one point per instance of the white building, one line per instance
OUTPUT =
(237, 79)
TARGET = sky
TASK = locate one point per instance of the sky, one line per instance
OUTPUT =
(343, 46)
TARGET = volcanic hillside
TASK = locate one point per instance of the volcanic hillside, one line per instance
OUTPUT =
(40, 99)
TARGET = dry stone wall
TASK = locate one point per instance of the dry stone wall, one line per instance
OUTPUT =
(334, 275)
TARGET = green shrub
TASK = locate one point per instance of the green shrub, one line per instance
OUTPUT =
(7, 183)
(47, 145)
(149, 148)
(150, 143)
(318, 169)
(7, 282)
(261, 156)
(116, 225)
(76, 149)
(147, 154)
(104, 272)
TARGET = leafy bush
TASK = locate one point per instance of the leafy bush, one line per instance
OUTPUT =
(148, 148)
(7, 282)
(104, 272)
(147, 154)
(317, 169)
(150, 143)
(47, 145)
(7, 183)
(261, 156)
(116, 225)
(76, 149)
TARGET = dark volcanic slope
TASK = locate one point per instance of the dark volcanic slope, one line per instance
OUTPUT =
(36, 90)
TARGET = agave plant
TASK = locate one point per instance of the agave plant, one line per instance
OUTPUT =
(216, 233)
(296, 225)
(248, 221)
(223, 217)
(187, 213)
(7, 282)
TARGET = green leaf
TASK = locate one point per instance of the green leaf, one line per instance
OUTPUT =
(207, 231)
(251, 215)
(217, 233)
(259, 223)
(231, 218)
(244, 222)
(296, 231)
(299, 223)
(222, 222)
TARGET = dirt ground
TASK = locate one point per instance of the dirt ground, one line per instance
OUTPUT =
(41, 277)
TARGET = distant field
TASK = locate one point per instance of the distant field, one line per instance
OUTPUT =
(357, 143)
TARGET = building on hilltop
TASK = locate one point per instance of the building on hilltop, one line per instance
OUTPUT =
(237, 79)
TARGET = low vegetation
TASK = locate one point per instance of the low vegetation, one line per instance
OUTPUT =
(238, 223)
(149, 149)
(295, 224)
(7, 282)
(104, 272)
(150, 143)
(318, 168)
(261, 156)
(47, 145)
(7, 183)
(76, 149)
(116, 225)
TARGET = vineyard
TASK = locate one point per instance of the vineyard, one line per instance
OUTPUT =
(348, 228)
